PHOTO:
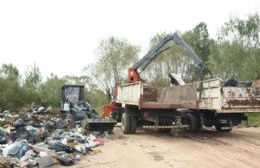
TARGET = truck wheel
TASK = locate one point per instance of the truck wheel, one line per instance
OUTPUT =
(194, 122)
(126, 121)
(133, 124)
(223, 127)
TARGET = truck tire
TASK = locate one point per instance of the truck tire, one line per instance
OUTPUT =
(223, 127)
(194, 122)
(126, 123)
(133, 124)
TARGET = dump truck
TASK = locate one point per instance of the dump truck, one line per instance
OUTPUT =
(196, 104)
(72, 104)
(190, 106)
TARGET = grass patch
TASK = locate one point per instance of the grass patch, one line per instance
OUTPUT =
(253, 119)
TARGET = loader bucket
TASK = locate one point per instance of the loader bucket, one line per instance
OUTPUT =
(100, 125)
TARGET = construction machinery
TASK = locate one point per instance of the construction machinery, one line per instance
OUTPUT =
(139, 66)
(193, 105)
(134, 72)
(72, 103)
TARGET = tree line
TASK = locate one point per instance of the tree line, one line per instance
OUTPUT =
(235, 51)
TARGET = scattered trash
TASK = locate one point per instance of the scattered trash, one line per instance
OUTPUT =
(20, 134)
(3, 137)
(3, 162)
(17, 149)
(32, 130)
(59, 146)
(60, 123)
(77, 157)
(49, 125)
(65, 160)
(19, 123)
(45, 161)
(33, 139)
(6, 162)
(232, 82)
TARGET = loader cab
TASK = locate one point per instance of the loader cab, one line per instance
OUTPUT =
(72, 102)
(72, 93)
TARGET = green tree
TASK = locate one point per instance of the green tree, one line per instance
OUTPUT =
(33, 77)
(114, 56)
(9, 71)
(198, 39)
(31, 84)
(236, 52)
(72, 79)
(50, 90)
(10, 90)
(246, 32)
(96, 97)
(227, 59)
(251, 66)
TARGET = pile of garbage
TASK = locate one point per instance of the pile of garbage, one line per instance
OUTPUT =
(32, 139)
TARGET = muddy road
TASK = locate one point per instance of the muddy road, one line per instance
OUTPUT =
(240, 148)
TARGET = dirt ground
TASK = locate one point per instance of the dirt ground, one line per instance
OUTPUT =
(150, 149)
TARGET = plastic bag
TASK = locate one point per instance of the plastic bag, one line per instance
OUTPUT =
(17, 149)
(58, 147)
(65, 160)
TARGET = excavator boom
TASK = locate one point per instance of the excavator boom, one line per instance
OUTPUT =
(138, 67)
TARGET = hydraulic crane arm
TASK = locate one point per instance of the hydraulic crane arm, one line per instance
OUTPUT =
(134, 75)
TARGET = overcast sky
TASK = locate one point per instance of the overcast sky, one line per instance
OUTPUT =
(61, 37)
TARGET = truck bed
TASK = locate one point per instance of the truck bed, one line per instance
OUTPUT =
(212, 96)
